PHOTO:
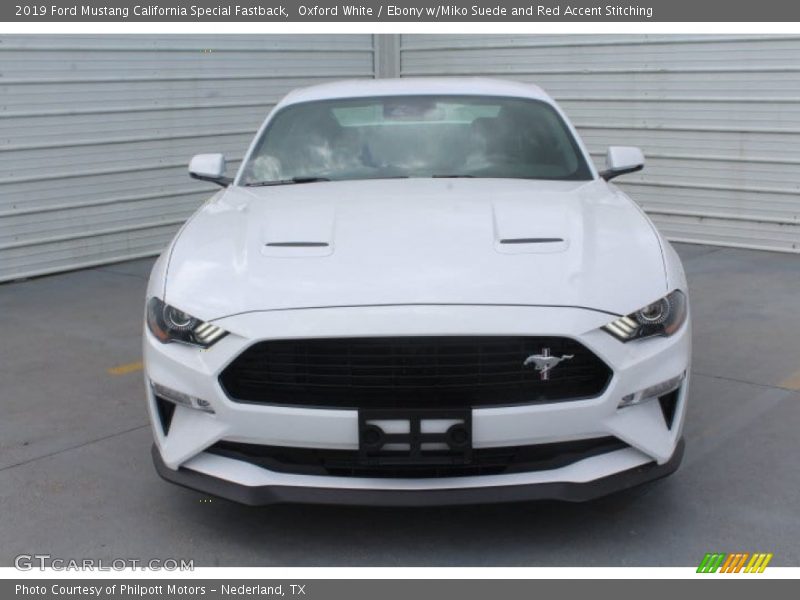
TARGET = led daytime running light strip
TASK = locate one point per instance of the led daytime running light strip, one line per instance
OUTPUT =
(208, 333)
(623, 328)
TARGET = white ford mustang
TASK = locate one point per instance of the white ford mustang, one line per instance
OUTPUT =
(417, 291)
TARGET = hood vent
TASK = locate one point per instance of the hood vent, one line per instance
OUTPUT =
(542, 240)
(542, 225)
(296, 249)
(298, 244)
(531, 245)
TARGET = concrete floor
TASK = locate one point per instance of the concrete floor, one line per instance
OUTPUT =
(76, 478)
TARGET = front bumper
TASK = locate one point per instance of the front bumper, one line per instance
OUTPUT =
(653, 445)
(310, 493)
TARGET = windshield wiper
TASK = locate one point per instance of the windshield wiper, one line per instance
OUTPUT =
(287, 181)
(452, 176)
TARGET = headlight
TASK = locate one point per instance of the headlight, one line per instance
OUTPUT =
(662, 317)
(170, 324)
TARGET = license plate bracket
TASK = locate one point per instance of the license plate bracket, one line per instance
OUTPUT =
(414, 436)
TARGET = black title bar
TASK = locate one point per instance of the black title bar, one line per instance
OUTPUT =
(399, 11)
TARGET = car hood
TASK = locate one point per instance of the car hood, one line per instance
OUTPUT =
(416, 241)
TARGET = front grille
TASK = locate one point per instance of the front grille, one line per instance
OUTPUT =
(485, 461)
(412, 372)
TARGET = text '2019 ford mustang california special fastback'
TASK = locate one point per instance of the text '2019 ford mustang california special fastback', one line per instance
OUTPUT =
(417, 291)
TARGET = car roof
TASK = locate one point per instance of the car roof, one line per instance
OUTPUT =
(467, 86)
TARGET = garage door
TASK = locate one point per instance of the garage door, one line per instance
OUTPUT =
(96, 132)
(718, 118)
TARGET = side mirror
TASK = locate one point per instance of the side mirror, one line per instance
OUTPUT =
(209, 167)
(621, 160)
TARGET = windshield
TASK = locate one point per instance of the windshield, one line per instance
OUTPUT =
(415, 136)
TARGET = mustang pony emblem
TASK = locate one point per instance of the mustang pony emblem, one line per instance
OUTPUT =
(545, 363)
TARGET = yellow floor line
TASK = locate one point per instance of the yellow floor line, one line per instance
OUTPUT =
(792, 382)
(125, 369)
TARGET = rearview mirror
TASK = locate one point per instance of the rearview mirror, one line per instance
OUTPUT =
(209, 167)
(621, 160)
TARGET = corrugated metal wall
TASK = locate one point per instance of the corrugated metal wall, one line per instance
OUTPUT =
(96, 132)
(718, 118)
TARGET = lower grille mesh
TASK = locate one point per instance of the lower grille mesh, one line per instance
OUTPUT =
(485, 461)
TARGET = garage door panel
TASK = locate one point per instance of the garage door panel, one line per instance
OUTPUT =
(425, 42)
(84, 156)
(89, 251)
(740, 54)
(66, 64)
(20, 230)
(723, 85)
(26, 131)
(676, 113)
(725, 232)
(735, 144)
(330, 43)
(94, 186)
(696, 170)
(29, 98)
(742, 203)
